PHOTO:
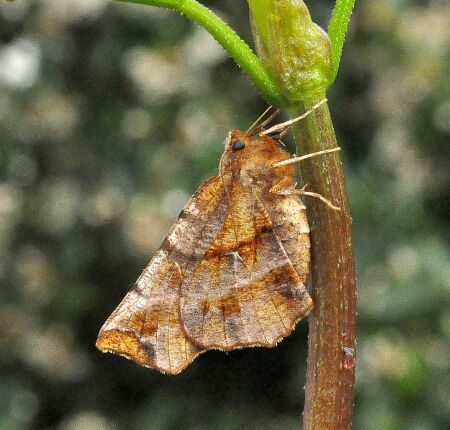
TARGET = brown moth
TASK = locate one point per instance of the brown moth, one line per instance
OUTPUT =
(232, 271)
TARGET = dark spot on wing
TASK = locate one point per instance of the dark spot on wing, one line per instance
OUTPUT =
(183, 214)
(176, 253)
(205, 307)
(286, 291)
(138, 290)
(149, 328)
(149, 349)
(230, 306)
(234, 330)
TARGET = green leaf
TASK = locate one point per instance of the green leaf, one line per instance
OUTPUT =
(337, 30)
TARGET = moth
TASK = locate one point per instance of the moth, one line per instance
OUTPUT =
(232, 271)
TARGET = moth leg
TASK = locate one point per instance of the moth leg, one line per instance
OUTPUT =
(302, 192)
(285, 183)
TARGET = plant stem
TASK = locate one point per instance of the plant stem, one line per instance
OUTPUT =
(331, 344)
(230, 41)
(301, 66)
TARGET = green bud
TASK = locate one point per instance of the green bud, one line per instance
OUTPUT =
(293, 49)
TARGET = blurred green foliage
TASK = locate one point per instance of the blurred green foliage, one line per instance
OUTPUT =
(111, 115)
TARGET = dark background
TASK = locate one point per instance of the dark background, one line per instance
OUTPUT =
(111, 115)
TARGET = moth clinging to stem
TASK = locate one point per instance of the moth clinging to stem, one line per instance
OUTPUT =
(233, 269)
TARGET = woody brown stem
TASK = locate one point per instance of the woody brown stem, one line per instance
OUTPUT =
(331, 363)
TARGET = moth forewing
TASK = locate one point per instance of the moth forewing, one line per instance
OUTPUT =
(231, 272)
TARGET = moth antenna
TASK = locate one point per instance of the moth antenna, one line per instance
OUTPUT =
(304, 157)
(270, 119)
(284, 132)
(285, 124)
(278, 139)
(264, 123)
(250, 129)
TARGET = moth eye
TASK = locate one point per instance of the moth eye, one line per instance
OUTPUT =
(237, 144)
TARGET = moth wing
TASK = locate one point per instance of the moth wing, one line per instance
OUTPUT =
(146, 326)
(245, 291)
(291, 226)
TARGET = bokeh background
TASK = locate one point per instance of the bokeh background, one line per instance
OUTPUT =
(111, 115)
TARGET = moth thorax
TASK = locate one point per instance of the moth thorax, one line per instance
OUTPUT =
(256, 178)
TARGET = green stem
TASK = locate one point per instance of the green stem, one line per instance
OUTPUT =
(337, 28)
(230, 41)
(296, 52)
(331, 344)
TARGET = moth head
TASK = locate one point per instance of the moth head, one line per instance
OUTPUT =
(251, 157)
